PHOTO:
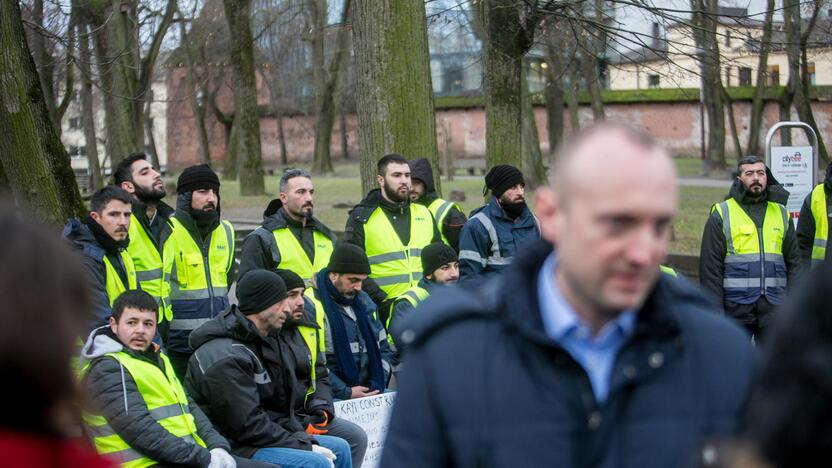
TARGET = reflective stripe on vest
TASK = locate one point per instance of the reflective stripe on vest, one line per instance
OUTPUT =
(191, 279)
(440, 209)
(112, 281)
(314, 339)
(668, 271)
(754, 264)
(294, 258)
(394, 266)
(818, 206)
(149, 266)
(495, 258)
(413, 296)
(165, 400)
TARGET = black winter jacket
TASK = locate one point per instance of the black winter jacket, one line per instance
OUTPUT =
(452, 224)
(806, 222)
(259, 250)
(114, 393)
(239, 379)
(713, 249)
(680, 379)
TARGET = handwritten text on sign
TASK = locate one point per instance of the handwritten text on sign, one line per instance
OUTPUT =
(373, 415)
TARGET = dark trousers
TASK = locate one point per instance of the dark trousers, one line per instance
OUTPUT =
(354, 435)
(755, 317)
(179, 361)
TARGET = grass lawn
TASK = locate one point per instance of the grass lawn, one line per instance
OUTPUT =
(336, 195)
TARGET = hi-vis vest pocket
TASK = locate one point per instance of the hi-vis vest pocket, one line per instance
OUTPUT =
(190, 268)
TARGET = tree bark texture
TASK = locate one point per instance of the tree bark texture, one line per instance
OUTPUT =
(757, 104)
(246, 118)
(553, 93)
(394, 90)
(533, 169)
(197, 109)
(35, 163)
(88, 111)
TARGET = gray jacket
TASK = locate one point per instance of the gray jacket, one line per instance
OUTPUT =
(114, 394)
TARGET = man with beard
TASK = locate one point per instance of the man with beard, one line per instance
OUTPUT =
(199, 260)
(102, 239)
(449, 217)
(440, 268)
(749, 252)
(290, 237)
(581, 353)
(148, 224)
(308, 391)
(498, 230)
(392, 232)
(358, 355)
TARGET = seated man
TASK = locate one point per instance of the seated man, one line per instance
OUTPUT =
(142, 415)
(237, 373)
(301, 342)
(440, 266)
(357, 353)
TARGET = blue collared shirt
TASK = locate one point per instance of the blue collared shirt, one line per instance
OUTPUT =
(563, 325)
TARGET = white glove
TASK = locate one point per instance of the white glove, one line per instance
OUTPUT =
(221, 459)
(325, 452)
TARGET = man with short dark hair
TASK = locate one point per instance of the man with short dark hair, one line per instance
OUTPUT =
(498, 230)
(290, 237)
(141, 415)
(241, 377)
(199, 260)
(448, 215)
(750, 254)
(358, 355)
(440, 267)
(148, 225)
(392, 232)
(579, 355)
(102, 239)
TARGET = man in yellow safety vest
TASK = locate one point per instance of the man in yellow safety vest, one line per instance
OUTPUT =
(813, 225)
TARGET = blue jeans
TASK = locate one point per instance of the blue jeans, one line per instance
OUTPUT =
(294, 458)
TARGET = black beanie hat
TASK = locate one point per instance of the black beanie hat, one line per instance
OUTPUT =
(349, 258)
(258, 290)
(290, 278)
(501, 178)
(435, 255)
(197, 177)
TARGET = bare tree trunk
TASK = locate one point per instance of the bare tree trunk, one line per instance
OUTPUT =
(246, 118)
(533, 170)
(88, 111)
(785, 113)
(735, 135)
(395, 96)
(197, 109)
(757, 103)
(148, 128)
(553, 93)
(704, 23)
(232, 150)
(345, 144)
(572, 97)
(35, 163)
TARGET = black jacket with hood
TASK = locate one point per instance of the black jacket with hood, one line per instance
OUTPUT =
(806, 222)
(239, 378)
(259, 249)
(93, 251)
(452, 224)
(712, 253)
(117, 399)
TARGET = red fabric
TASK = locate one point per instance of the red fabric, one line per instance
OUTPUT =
(19, 450)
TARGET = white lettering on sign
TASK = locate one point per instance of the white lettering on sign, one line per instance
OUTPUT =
(373, 415)
(793, 166)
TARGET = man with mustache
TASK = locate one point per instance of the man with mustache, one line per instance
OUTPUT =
(499, 229)
(290, 237)
(749, 253)
(148, 224)
(102, 239)
(392, 232)
(199, 260)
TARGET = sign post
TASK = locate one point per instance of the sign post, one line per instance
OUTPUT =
(793, 166)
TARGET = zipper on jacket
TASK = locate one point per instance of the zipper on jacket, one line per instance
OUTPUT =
(208, 273)
(762, 261)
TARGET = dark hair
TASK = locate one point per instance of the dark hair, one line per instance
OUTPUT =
(290, 174)
(788, 413)
(124, 169)
(750, 159)
(107, 194)
(389, 159)
(46, 304)
(136, 299)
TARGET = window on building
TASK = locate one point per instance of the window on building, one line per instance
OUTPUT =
(727, 38)
(745, 76)
(811, 69)
(652, 81)
(75, 123)
(77, 152)
(773, 75)
(727, 76)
